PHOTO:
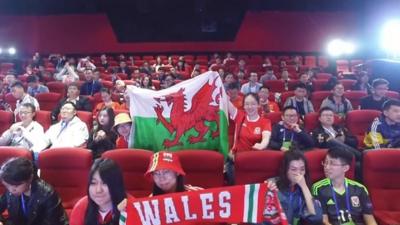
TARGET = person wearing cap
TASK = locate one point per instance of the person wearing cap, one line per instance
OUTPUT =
(123, 127)
(70, 131)
(28, 199)
(166, 172)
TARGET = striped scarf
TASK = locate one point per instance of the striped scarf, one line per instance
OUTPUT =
(252, 203)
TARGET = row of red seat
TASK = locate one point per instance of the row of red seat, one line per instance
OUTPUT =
(67, 169)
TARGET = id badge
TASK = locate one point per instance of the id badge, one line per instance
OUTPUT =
(287, 144)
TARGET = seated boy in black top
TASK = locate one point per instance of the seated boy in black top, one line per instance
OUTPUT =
(343, 201)
(287, 133)
(378, 97)
(328, 134)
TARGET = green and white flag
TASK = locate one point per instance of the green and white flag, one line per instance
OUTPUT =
(189, 115)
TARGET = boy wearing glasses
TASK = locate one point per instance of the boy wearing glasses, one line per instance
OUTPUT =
(343, 201)
(375, 101)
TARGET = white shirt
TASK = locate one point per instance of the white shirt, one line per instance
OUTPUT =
(30, 137)
(75, 134)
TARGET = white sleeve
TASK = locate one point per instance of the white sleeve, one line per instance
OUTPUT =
(36, 137)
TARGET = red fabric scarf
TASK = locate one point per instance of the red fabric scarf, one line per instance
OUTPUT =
(252, 203)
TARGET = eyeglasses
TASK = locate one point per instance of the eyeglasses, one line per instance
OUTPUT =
(330, 163)
(24, 112)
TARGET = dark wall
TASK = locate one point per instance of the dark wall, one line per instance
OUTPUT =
(260, 31)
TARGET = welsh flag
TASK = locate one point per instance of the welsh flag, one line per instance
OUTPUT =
(189, 115)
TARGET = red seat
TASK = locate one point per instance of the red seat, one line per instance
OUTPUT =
(317, 97)
(323, 61)
(107, 84)
(67, 170)
(257, 166)
(274, 117)
(275, 85)
(86, 117)
(393, 94)
(57, 87)
(310, 61)
(358, 122)
(314, 160)
(355, 97)
(348, 83)
(203, 168)
(44, 118)
(381, 171)
(323, 76)
(156, 84)
(6, 120)
(9, 98)
(285, 95)
(311, 121)
(48, 101)
(319, 84)
(7, 153)
(342, 65)
(133, 163)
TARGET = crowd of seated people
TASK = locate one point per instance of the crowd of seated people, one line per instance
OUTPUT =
(250, 95)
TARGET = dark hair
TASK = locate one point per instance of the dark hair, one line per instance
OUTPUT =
(106, 90)
(32, 79)
(71, 103)
(379, 81)
(232, 86)
(323, 109)
(389, 103)
(111, 116)
(289, 107)
(73, 84)
(16, 171)
(17, 84)
(111, 175)
(289, 156)
(180, 186)
(255, 96)
(150, 81)
(300, 85)
(343, 155)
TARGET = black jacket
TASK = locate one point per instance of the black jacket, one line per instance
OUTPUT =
(44, 207)
(301, 140)
(83, 104)
(320, 136)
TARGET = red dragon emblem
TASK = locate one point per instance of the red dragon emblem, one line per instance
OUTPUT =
(182, 121)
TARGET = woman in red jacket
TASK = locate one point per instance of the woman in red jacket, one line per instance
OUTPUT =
(105, 191)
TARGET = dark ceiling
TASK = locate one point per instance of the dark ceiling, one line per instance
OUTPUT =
(173, 20)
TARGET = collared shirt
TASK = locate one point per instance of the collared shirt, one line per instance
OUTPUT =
(26, 99)
(31, 137)
(75, 134)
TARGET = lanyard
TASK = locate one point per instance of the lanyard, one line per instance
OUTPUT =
(284, 136)
(291, 208)
(24, 206)
(347, 202)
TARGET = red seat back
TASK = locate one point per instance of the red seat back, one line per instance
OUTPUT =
(323, 76)
(381, 171)
(86, 117)
(133, 163)
(44, 118)
(317, 97)
(355, 97)
(67, 170)
(48, 101)
(203, 168)
(9, 98)
(319, 84)
(275, 85)
(274, 117)
(314, 160)
(393, 94)
(6, 120)
(285, 95)
(57, 87)
(257, 166)
(358, 122)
